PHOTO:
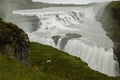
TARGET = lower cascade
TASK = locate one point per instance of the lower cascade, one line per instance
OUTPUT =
(97, 57)
(75, 30)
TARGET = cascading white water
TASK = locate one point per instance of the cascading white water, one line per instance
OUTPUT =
(76, 31)
(97, 57)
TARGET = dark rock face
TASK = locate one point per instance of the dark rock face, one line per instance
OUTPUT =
(111, 23)
(14, 42)
(73, 35)
(56, 38)
(65, 39)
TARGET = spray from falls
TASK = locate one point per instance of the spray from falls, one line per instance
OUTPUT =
(76, 31)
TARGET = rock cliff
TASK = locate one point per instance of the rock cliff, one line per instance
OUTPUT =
(14, 42)
(111, 23)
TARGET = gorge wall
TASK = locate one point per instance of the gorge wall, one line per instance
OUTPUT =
(111, 19)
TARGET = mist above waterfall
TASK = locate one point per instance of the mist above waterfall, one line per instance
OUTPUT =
(8, 6)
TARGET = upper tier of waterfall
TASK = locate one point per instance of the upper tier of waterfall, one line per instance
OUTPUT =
(81, 20)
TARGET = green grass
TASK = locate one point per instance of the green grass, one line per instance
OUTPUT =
(62, 67)
(11, 70)
(115, 4)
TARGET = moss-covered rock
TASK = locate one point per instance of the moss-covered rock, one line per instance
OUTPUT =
(14, 42)
(111, 23)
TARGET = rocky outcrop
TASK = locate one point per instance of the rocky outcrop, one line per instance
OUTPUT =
(111, 23)
(14, 42)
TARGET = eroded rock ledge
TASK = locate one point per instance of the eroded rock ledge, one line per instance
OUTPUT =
(14, 42)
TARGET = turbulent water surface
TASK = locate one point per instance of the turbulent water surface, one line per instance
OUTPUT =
(74, 30)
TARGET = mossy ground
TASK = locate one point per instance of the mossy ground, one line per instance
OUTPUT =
(62, 67)
(115, 4)
(62, 64)
(12, 70)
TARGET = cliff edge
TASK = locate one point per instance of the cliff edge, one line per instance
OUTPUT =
(14, 42)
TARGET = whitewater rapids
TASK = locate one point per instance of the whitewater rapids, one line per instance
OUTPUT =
(75, 30)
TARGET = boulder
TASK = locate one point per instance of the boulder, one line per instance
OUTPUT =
(14, 42)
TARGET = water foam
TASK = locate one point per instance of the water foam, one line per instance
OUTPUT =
(59, 27)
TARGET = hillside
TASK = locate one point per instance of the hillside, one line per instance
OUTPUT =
(12, 70)
(48, 63)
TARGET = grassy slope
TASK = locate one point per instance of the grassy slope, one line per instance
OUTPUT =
(62, 67)
(11, 70)
(115, 4)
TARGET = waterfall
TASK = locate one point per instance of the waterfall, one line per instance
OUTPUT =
(97, 57)
(75, 30)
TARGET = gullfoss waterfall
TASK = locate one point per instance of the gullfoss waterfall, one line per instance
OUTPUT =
(75, 30)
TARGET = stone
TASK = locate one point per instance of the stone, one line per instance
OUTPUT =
(14, 42)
